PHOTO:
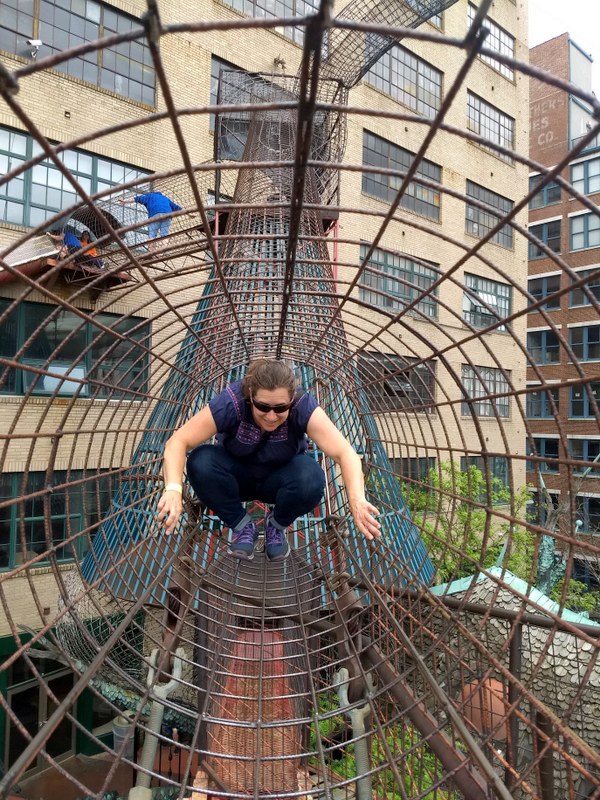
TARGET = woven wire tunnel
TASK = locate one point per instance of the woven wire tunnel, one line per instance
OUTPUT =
(450, 659)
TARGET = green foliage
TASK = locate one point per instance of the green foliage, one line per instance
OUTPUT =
(417, 765)
(578, 597)
(453, 513)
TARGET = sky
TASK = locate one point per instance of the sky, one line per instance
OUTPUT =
(580, 18)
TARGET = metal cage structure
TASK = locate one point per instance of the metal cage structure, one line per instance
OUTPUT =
(450, 659)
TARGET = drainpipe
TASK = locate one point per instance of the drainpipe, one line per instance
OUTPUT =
(358, 717)
(160, 692)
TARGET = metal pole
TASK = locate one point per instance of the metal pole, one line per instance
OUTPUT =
(515, 664)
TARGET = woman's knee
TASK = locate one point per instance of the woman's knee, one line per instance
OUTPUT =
(310, 478)
(205, 464)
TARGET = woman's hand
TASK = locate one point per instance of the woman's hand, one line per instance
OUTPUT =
(170, 507)
(365, 518)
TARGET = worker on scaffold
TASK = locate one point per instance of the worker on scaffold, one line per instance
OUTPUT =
(261, 423)
(156, 204)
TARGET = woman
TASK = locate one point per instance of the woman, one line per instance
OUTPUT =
(261, 424)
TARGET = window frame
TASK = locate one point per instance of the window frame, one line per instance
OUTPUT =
(486, 286)
(594, 471)
(415, 469)
(545, 348)
(499, 470)
(542, 231)
(478, 108)
(593, 288)
(83, 507)
(545, 193)
(395, 63)
(583, 503)
(582, 184)
(382, 371)
(582, 349)
(496, 40)
(539, 446)
(476, 217)
(94, 21)
(546, 396)
(286, 8)
(546, 291)
(585, 233)
(93, 171)
(587, 411)
(497, 383)
(408, 271)
(385, 187)
(86, 366)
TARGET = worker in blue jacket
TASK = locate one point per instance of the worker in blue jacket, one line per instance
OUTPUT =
(156, 204)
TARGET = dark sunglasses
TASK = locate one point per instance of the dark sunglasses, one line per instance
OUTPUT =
(265, 407)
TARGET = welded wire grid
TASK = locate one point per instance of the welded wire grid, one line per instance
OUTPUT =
(489, 691)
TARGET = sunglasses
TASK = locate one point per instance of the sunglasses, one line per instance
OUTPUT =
(265, 407)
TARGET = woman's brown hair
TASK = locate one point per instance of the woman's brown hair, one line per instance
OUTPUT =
(268, 374)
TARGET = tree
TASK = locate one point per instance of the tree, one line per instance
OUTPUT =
(455, 514)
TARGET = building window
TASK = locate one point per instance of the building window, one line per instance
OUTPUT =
(548, 233)
(217, 67)
(588, 511)
(498, 468)
(380, 153)
(585, 231)
(392, 384)
(543, 347)
(283, 8)
(488, 302)
(579, 297)
(499, 40)
(83, 359)
(548, 195)
(585, 177)
(42, 191)
(479, 221)
(124, 68)
(546, 449)
(539, 403)
(486, 381)
(491, 124)
(393, 281)
(437, 20)
(584, 399)
(545, 287)
(585, 342)
(586, 450)
(23, 523)
(409, 80)
(17, 23)
(416, 470)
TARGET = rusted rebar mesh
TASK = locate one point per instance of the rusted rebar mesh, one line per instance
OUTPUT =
(451, 659)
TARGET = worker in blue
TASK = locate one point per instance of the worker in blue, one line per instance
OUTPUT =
(156, 204)
(69, 243)
(261, 424)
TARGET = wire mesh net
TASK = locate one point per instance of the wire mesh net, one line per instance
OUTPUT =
(455, 657)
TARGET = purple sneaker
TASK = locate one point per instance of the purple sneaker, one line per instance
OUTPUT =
(243, 541)
(276, 543)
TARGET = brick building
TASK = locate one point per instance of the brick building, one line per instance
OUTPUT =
(433, 231)
(563, 336)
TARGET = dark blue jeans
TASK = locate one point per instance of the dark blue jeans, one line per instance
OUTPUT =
(222, 482)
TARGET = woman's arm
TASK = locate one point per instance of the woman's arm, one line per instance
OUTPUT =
(329, 439)
(198, 429)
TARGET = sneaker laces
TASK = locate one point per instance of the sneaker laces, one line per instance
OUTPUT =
(246, 535)
(274, 535)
